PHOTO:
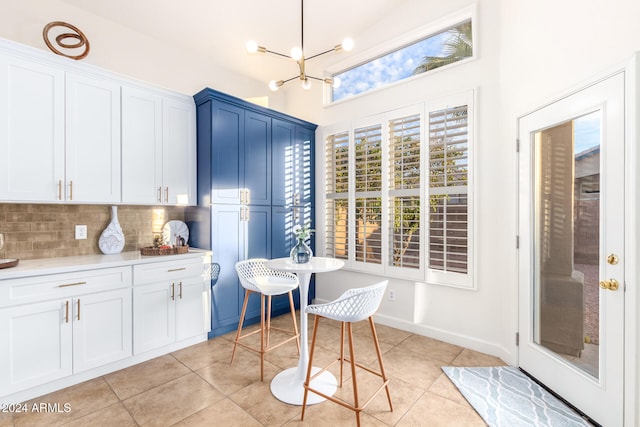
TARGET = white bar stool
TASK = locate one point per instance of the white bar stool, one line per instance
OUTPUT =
(256, 277)
(352, 306)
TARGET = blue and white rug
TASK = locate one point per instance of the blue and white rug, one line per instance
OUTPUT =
(505, 397)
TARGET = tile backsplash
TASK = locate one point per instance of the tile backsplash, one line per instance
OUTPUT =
(48, 230)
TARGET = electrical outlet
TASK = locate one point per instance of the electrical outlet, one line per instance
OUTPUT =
(81, 232)
(392, 295)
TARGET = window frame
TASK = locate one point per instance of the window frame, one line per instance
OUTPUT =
(423, 274)
(381, 49)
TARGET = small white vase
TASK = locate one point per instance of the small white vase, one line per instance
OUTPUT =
(112, 238)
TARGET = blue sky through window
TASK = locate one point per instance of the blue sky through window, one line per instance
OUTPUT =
(389, 68)
(586, 131)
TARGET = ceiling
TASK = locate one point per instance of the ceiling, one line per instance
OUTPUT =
(221, 28)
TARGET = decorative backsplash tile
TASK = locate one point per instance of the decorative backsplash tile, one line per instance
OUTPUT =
(46, 231)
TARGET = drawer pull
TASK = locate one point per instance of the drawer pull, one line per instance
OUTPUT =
(176, 269)
(72, 284)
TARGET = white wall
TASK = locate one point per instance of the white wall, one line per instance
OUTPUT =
(529, 54)
(472, 318)
(547, 48)
(121, 50)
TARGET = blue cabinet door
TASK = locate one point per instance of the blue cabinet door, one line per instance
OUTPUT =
(304, 173)
(258, 245)
(227, 245)
(283, 162)
(257, 158)
(227, 166)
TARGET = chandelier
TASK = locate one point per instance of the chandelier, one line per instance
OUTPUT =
(297, 54)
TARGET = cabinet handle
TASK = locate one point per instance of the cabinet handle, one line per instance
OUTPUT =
(295, 215)
(66, 311)
(246, 214)
(242, 196)
(72, 284)
(60, 189)
(159, 194)
(176, 269)
(247, 199)
(78, 308)
(166, 195)
(71, 190)
(180, 294)
(173, 291)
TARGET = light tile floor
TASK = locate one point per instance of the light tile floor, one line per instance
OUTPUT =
(197, 386)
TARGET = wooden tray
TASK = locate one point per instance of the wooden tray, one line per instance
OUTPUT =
(8, 262)
(153, 251)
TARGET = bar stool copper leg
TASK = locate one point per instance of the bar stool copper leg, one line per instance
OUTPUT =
(242, 314)
(307, 380)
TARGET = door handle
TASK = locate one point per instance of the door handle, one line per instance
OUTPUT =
(180, 292)
(611, 284)
(66, 311)
(78, 308)
(173, 291)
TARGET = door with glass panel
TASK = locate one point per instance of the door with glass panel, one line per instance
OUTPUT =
(571, 260)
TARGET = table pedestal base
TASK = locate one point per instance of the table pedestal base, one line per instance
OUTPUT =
(287, 388)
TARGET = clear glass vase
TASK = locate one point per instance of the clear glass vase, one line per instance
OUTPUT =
(301, 253)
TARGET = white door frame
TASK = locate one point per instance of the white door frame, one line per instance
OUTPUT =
(632, 230)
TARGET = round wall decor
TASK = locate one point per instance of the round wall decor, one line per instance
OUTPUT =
(69, 41)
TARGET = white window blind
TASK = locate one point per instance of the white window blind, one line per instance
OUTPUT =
(337, 193)
(368, 194)
(448, 189)
(404, 191)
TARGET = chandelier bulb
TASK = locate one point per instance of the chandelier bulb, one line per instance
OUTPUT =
(252, 46)
(275, 85)
(336, 82)
(306, 84)
(296, 53)
(347, 44)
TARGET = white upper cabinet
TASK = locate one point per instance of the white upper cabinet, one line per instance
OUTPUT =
(31, 131)
(158, 148)
(73, 133)
(92, 140)
(141, 146)
(179, 151)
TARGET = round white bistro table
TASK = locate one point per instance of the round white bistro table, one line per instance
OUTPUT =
(288, 385)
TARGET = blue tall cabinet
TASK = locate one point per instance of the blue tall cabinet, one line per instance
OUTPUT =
(255, 182)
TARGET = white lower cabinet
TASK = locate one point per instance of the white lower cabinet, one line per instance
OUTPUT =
(170, 303)
(37, 345)
(86, 327)
(102, 330)
(64, 328)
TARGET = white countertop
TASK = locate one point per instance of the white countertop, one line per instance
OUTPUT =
(31, 267)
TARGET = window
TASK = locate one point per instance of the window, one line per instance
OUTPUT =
(404, 191)
(398, 193)
(337, 194)
(439, 48)
(368, 194)
(448, 185)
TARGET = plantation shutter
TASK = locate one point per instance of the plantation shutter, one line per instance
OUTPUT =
(368, 194)
(448, 189)
(404, 191)
(337, 193)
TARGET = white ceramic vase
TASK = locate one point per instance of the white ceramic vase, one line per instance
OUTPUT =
(112, 238)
